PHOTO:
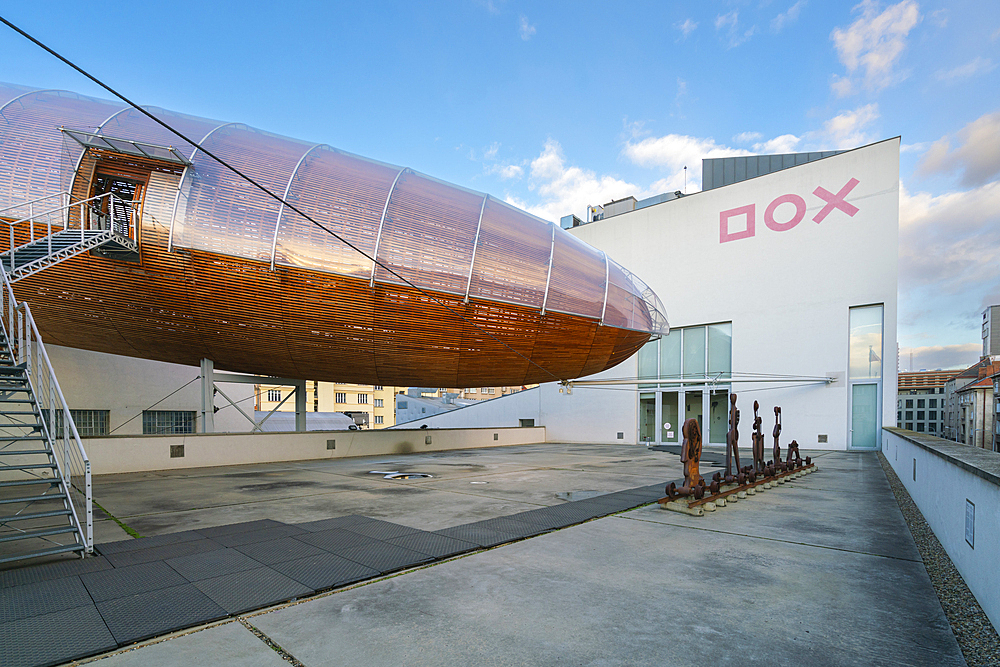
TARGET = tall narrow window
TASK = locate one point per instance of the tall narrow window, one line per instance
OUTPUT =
(865, 356)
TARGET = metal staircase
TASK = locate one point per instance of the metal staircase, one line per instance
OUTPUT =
(65, 229)
(46, 502)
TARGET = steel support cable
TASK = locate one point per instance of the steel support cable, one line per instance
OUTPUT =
(194, 379)
(263, 189)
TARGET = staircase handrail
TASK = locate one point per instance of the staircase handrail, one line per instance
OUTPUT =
(71, 459)
(63, 221)
(63, 196)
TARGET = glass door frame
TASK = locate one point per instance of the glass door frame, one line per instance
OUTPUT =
(681, 392)
(878, 415)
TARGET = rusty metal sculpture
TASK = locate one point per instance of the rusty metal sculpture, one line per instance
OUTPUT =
(697, 496)
(793, 453)
(691, 452)
(733, 438)
(758, 440)
(776, 433)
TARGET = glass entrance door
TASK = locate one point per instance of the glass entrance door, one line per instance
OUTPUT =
(669, 415)
(647, 417)
(864, 415)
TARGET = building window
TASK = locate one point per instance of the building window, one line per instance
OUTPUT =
(932, 403)
(932, 427)
(378, 402)
(909, 403)
(274, 395)
(379, 387)
(471, 390)
(920, 428)
(378, 419)
(88, 422)
(933, 414)
(493, 390)
(168, 421)
(920, 402)
(692, 352)
(899, 416)
(909, 426)
(401, 405)
(362, 399)
(340, 397)
(909, 414)
(920, 415)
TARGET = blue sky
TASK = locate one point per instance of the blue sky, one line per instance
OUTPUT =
(557, 105)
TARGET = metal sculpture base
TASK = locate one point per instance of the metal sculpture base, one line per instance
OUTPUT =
(708, 498)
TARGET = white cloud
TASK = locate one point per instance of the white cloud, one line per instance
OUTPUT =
(948, 268)
(932, 357)
(686, 28)
(779, 22)
(525, 29)
(951, 242)
(673, 152)
(747, 137)
(870, 48)
(729, 25)
(970, 69)
(506, 172)
(786, 143)
(848, 129)
(491, 152)
(939, 17)
(564, 189)
(977, 154)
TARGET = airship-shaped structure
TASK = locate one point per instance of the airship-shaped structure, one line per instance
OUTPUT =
(131, 241)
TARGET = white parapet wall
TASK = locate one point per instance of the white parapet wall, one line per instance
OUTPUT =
(170, 452)
(957, 489)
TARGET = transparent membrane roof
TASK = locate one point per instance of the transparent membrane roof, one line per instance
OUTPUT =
(433, 234)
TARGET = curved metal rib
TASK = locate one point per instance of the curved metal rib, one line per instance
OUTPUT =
(475, 244)
(378, 238)
(281, 208)
(180, 183)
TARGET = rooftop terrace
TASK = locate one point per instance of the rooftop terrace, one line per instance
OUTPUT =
(587, 573)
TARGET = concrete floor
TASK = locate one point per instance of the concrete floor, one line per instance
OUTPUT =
(806, 573)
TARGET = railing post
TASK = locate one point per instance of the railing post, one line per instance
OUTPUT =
(90, 506)
(111, 212)
(20, 336)
(31, 219)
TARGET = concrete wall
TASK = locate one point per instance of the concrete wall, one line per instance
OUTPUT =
(947, 476)
(137, 454)
(126, 386)
(588, 414)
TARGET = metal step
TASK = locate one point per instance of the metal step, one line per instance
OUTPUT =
(39, 554)
(32, 499)
(24, 452)
(27, 535)
(29, 466)
(15, 438)
(36, 515)
(29, 482)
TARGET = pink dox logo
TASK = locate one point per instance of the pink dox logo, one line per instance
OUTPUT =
(733, 230)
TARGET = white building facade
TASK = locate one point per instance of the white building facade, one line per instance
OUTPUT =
(779, 288)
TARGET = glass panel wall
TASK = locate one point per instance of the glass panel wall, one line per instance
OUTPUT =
(720, 350)
(694, 352)
(694, 368)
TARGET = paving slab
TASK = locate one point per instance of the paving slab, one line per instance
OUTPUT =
(227, 644)
(622, 591)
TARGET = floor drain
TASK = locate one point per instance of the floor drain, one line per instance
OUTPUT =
(478, 482)
(407, 475)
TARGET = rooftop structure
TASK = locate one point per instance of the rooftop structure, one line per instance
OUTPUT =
(428, 283)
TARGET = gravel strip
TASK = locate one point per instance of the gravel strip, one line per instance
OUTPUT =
(976, 636)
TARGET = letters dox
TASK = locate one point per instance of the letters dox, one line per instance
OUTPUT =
(731, 230)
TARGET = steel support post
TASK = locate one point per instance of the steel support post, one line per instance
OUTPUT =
(207, 396)
(300, 406)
